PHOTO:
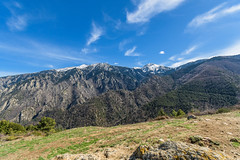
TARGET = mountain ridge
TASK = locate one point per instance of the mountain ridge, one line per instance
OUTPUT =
(102, 94)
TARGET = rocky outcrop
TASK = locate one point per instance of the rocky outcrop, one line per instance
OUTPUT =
(166, 151)
(177, 150)
(75, 157)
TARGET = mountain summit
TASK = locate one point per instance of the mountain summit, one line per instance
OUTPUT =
(155, 69)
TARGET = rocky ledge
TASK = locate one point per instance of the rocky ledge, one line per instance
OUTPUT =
(177, 151)
(165, 151)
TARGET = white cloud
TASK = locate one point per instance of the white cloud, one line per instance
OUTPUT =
(88, 50)
(162, 52)
(214, 14)
(131, 52)
(231, 50)
(96, 33)
(49, 66)
(147, 9)
(190, 50)
(139, 63)
(36, 50)
(172, 58)
(17, 23)
(177, 64)
(116, 63)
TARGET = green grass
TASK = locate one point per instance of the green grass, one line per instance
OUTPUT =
(238, 114)
(236, 144)
(90, 139)
(39, 142)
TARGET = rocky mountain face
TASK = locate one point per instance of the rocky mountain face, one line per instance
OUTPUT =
(106, 95)
(25, 97)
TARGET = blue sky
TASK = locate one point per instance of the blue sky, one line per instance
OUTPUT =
(49, 34)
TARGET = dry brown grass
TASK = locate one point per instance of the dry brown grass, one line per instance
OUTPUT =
(123, 140)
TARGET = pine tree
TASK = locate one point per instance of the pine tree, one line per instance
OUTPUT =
(174, 113)
(180, 113)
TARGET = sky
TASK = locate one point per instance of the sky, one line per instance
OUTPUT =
(50, 34)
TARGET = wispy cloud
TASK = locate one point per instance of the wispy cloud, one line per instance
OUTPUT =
(96, 33)
(190, 50)
(147, 9)
(122, 44)
(49, 66)
(115, 23)
(214, 14)
(37, 50)
(131, 52)
(231, 50)
(172, 58)
(17, 22)
(88, 50)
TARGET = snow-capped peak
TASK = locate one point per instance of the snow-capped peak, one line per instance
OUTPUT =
(155, 68)
(137, 68)
(69, 68)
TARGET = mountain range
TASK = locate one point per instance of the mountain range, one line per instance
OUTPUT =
(106, 95)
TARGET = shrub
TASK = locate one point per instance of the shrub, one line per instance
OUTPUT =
(223, 110)
(180, 113)
(10, 128)
(174, 113)
(31, 128)
(161, 112)
(46, 124)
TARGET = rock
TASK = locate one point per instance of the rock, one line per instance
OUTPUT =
(75, 157)
(195, 139)
(107, 153)
(177, 150)
(191, 117)
(161, 141)
(161, 118)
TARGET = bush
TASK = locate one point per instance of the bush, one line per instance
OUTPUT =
(31, 128)
(46, 124)
(161, 112)
(180, 113)
(223, 110)
(10, 128)
(174, 113)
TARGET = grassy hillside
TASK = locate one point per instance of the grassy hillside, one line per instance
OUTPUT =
(123, 140)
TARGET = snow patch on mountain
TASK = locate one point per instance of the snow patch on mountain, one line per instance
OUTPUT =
(69, 68)
(155, 68)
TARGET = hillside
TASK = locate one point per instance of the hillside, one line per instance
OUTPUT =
(121, 141)
(204, 85)
(105, 95)
(25, 97)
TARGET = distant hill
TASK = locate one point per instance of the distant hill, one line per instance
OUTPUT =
(106, 95)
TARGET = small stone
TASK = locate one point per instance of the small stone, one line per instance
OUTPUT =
(106, 153)
(161, 141)
(191, 117)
